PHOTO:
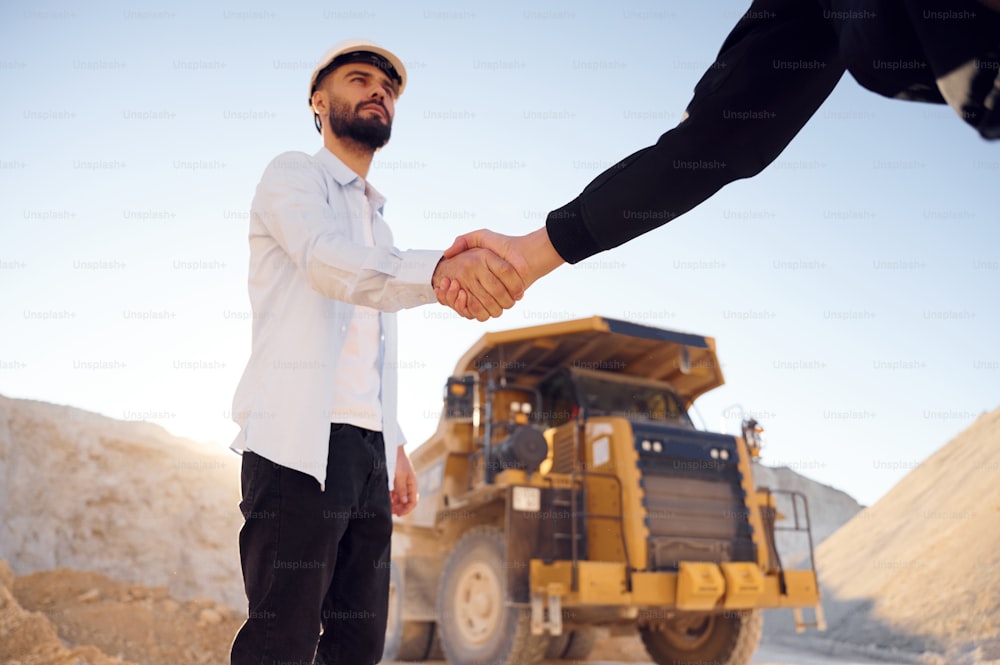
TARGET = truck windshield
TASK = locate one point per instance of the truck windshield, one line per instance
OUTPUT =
(607, 394)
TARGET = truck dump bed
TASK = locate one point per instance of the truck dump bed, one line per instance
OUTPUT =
(688, 362)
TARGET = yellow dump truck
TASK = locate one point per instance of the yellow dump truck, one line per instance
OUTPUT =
(567, 494)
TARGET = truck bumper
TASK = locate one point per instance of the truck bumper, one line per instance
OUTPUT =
(696, 586)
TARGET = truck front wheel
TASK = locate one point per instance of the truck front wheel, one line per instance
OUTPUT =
(475, 621)
(728, 639)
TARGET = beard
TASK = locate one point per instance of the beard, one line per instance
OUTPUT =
(347, 123)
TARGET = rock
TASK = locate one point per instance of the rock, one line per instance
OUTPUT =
(89, 596)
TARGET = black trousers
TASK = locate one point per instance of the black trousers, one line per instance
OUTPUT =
(316, 564)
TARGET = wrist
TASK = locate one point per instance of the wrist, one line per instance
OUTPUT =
(541, 255)
(436, 276)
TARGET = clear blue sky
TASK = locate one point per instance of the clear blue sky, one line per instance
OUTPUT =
(852, 287)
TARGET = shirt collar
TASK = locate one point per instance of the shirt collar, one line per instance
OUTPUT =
(348, 178)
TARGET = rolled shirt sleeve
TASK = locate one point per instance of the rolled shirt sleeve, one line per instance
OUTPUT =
(291, 204)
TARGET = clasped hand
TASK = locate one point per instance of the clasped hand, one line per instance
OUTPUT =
(476, 282)
(484, 273)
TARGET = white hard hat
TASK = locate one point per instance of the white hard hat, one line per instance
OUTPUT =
(360, 50)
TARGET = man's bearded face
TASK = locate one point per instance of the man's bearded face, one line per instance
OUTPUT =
(368, 123)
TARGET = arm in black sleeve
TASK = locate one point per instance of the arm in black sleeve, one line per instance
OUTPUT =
(773, 72)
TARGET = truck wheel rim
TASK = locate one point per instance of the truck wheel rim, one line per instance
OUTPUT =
(478, 603)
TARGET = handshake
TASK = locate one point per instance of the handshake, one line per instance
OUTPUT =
(484, 273)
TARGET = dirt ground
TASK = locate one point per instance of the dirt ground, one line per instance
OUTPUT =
(68, 617)
(106, 622)
(764, 656)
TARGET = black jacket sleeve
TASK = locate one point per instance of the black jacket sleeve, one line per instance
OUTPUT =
(772, 73)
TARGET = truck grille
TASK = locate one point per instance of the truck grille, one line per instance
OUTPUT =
(564, 454)
(693, 497)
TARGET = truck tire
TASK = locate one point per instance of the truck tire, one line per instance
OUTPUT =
(404, 640)
(475, 623)
(572, 644)
(727, 639)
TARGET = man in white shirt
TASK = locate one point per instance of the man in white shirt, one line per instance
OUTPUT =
(317, 402)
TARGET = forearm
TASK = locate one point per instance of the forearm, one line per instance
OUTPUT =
(294, 210)
(385, 279)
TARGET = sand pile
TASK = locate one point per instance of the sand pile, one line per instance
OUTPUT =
(106, 622)
(126, 499)
(925, 560)
(29, 638)
(919, 571)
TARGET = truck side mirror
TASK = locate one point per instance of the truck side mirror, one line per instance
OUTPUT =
(460, 396)
(752, 435)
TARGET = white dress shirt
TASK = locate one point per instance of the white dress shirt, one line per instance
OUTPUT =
(309, 268)
(357, 383)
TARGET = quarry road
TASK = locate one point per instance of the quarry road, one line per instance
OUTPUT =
(766, 655)
(775, 655)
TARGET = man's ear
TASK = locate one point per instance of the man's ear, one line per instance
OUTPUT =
(319, 102)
